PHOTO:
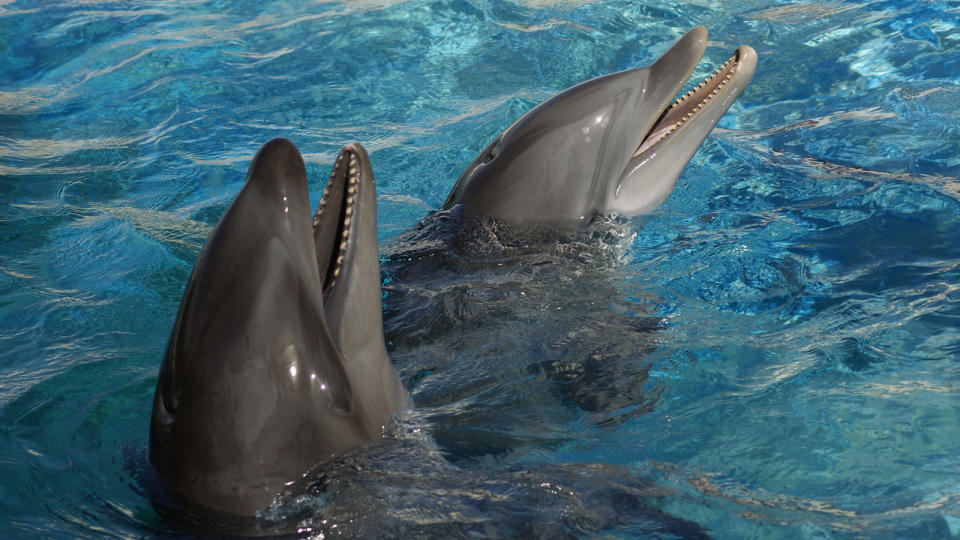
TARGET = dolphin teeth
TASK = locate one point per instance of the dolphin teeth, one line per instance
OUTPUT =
(691, 103)
(346, 223)
(351, 190)
(349, 200)
(349, 211)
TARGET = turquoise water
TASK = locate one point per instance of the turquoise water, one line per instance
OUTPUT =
(774, 353)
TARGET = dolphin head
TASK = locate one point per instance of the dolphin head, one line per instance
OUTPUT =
(262, 378)
(614, 143)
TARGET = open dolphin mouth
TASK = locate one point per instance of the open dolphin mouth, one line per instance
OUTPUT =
(690, 105)
(334, 216)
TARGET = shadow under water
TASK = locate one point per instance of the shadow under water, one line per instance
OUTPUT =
(513, 343)
(535, 315)
(404, 489)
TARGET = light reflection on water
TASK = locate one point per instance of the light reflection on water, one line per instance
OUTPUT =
(772, 353)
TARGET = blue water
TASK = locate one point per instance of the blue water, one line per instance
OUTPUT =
(774, 353)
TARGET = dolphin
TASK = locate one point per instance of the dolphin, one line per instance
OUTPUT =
(276, 360)
(616, 143)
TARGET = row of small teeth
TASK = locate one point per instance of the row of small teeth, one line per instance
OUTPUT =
(706, 100)
(352, 179)
(725, 80)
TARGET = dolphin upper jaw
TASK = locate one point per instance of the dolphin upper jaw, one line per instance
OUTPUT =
(601, 145)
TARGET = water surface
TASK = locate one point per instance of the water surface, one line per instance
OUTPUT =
(773, 353)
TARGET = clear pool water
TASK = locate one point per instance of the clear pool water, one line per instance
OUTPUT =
(774, 353)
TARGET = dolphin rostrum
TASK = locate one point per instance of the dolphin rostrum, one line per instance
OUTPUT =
(614, 143)
(276, 360)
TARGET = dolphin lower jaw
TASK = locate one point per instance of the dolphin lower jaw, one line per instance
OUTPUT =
(333, 218)
(345, 241)
(345, 230)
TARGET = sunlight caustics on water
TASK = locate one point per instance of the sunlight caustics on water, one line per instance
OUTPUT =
(773, 353)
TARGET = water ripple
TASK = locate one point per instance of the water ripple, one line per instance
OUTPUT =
(771, 354)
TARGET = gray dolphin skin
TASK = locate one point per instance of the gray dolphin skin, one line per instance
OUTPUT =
(615, 143)
(276, 360)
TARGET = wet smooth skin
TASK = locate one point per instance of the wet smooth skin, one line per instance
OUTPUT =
(276, 360)
(574, 155)
(262, 378)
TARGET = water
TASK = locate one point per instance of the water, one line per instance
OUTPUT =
(773, 353)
